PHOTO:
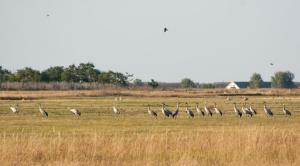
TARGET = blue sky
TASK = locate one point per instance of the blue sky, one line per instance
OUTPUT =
(207, 41)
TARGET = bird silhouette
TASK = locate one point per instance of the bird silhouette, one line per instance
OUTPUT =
(166, 29)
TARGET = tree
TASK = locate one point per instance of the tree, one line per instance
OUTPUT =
(256, 81)
(52, 74)
(120, 79)
(208, 86)
(70, 74)
(27, 75)
(283, 79)
(87, 72)
(187, 83)
(138, 82)
(114, 78)
(4, 74)
(153, 84)
(105, 77)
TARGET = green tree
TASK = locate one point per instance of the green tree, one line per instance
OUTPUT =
(187, 83)
(4, 74)
(120, 79)
(105, 77)
(208, 86)
(114, 78)
(70, 74)
(27, 75)
(256, 81)
(138, 82)
(153, 83)
(52, 74)
(283, 79)
(87, 72)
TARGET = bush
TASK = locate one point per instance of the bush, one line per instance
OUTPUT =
(187, 83)
(153, 84)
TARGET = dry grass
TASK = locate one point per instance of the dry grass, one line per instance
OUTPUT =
(135, 92)
(99, 138)
(254, 145)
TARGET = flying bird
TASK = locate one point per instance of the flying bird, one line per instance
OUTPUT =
(166, 29)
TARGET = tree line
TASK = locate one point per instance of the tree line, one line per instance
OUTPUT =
(87, 73)
(84, 72)
(281, 79)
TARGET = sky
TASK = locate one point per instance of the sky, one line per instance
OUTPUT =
(207, 41)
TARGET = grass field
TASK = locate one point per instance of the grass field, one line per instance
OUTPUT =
(133, 138)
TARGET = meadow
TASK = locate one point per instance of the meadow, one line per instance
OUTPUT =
(99, 137)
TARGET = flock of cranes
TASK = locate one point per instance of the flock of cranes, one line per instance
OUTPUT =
(205, 111)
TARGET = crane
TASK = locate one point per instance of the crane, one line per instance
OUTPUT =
(189, 111)
(217, 111)
(286, 111)
(42, 111)
(151, 113)
(267, 110)
(237, 111)
(76, 112)
(165, 111)
(252, 110)
(246, 111)
(14, 109)
(199, 111)
(116, 110)
(175, 113)
(207, 110)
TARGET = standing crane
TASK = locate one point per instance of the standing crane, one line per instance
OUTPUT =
(217, 111)
(237, 111)
(252, 110)
(199, 111)
(75, 111)
(286, 111)
(246, 111)
(175, 113)
(267, 110)
(116, 110)
(42, 111)
(165, 111)
(207, 110)
(151, 113)
(14, 109)
(189, 111)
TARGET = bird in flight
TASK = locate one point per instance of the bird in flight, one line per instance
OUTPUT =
(272, 64)
(166, 29)
(47, 15)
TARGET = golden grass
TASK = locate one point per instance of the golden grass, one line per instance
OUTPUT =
(135, 92)
(133, 138)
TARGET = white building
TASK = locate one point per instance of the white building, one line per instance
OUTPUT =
(237, 85)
